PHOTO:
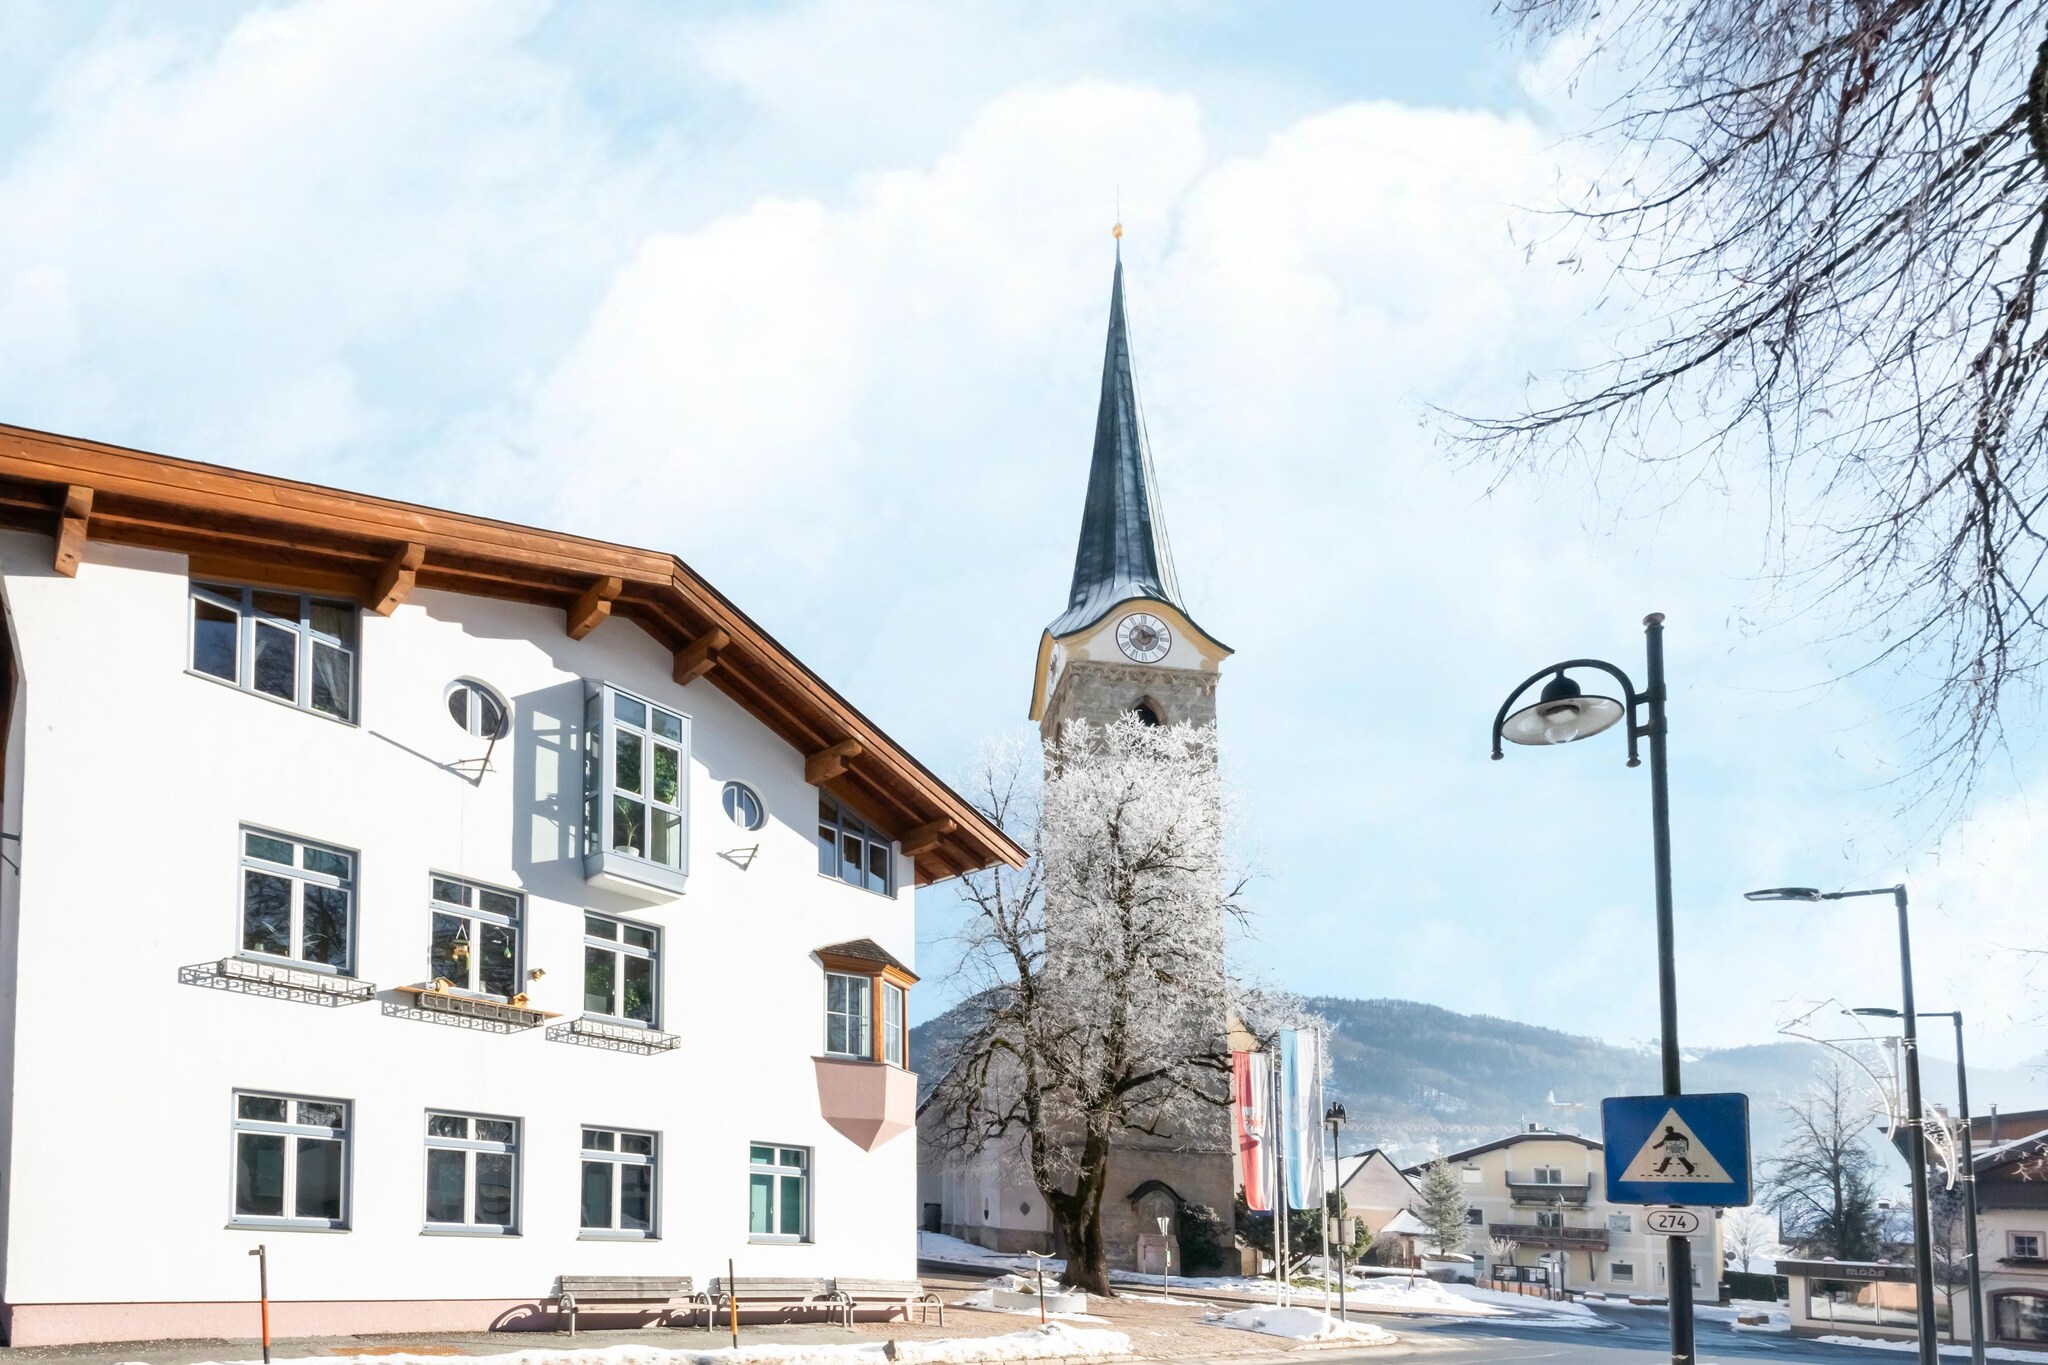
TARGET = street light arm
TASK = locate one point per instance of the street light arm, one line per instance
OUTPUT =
(1629, 699)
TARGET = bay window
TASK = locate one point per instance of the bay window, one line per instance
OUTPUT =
(867, 1003)
(635, 793)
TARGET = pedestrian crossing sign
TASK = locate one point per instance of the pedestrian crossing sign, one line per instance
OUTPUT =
(1677, 1149)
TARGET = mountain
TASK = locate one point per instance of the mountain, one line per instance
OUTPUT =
(1417, 1078)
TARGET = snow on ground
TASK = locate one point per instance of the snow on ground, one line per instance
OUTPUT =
(1302, 1324)
(937, 1246)
(1054, 1340)
(1908, 1344)
(986, 1302)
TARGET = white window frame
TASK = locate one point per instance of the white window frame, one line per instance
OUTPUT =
(475, 917)
(290, 1131)
(778, 1169)
(1548, 1175)
(726, 802)
(603, 731)
(1549, 1218)
(866, 1018)
(474, 693)
(240, 598)
(1471, 1175)
(837, 824)
(300, 877)
(895, 1045)
(470, 1147)
(619, 948)
(1621, 1222)
(2012, 1245)
(1621, 1272)
(619, 1159)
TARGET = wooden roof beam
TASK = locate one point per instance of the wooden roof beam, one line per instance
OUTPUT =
(829, 762)
(926, 836)
(594, 605)
(71, 526)
(396, 579)
(701, 656)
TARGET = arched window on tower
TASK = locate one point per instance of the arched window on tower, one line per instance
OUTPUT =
(1147, 712)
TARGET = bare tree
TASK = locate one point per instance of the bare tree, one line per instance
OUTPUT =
(1747, 1234)
(1100, 964)
(1822, 1184)
(1833, 214)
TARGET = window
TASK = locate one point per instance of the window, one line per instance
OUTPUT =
(1549, 1220)
(475, 937)
(1548, 1175)
(1471, 1175)
(297, 900)
(478, 709)
(1621, 1222)
(620, 970)
(778, 1193)
(1621, 1272)
(743, 804)
(848, 1011)
(893, 1002)
(472, 1174)
(636, 795)
(1474, 1216)
(291, 1161)
(2020, 1316)
(618, 1182)
(297, 649)
(851, 849)
(2025, 1246)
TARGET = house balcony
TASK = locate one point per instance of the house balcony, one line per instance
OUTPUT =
(1525, 1191)
(1550, 1239)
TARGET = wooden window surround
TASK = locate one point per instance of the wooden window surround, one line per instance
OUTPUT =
(879, 974)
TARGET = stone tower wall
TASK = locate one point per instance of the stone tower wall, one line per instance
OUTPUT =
(1099, 693)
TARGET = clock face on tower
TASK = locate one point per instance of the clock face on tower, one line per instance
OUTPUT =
(1144, 637)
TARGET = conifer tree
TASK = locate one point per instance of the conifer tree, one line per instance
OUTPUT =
(1443, 1207)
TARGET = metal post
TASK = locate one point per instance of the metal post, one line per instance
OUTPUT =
(1916, 1146)
(1970, 1202)
(262, 1255)
(1678, 1256)
(1337, 1180)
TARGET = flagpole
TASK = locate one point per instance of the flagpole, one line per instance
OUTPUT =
(1279, 1126)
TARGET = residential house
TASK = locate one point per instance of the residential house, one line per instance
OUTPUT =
(442, 904)
(1544, 1192)
(1377, 1193)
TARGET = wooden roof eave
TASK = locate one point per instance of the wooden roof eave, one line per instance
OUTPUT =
(331, 540)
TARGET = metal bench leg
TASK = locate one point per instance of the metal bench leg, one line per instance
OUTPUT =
(569, 1306)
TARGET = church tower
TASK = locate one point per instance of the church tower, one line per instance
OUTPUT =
(1125, 642)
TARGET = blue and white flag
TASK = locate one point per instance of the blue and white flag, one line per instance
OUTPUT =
(1301, 1115)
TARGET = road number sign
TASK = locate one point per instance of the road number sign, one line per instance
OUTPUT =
(1672, 1222)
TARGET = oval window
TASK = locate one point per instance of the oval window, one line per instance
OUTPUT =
(744, 806)
(477, 708)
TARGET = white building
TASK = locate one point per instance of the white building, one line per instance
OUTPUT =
(277, 758)
(1545, 1192)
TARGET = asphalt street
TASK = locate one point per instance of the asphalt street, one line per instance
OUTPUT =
(1630, 1335)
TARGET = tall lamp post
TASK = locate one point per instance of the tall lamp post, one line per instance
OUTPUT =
(1562, 713)
(1335, 1118)
(1968, 1176)
(1916, 1133)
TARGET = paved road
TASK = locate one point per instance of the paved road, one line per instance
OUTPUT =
(1631, 1337)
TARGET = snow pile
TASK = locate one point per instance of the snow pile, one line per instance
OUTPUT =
(937, 1246)
(985, 1300)
(1051, 1342)
(1303, 1324)
(1908, 1344)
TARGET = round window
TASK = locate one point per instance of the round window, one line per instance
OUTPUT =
(477, 708)
(744, 806)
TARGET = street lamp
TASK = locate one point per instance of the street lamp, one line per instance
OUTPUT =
(1968, 1175)
(1561, 713)
(1916, 1133)
(1335, 1118)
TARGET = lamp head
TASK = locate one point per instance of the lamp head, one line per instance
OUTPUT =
(1336, 1115)
(1875, 1012)
(1784, 893)
(1562, 713)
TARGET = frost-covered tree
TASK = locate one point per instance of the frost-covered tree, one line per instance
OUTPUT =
(1747, 1234)
(1100, 966)
(1443, 1207)
(1822, 1184)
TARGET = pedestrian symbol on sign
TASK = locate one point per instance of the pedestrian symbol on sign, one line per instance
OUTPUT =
(1673, 1152)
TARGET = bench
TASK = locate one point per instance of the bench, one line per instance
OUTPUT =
(574, 1291)
(905, 1294)
(754, 1291)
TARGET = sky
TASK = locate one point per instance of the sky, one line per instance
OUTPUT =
(813, 295)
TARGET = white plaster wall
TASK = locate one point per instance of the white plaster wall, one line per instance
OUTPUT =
(135, 777)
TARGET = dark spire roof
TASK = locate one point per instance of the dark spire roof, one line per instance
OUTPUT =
(1124, 552)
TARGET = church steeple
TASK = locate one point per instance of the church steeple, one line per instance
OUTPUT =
(1123, 554)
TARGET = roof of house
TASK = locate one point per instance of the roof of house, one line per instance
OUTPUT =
(867, 950)
(1123, 553)
(1526, 1135)
(253, 527)
(1348, 1167)
(1403, 1224)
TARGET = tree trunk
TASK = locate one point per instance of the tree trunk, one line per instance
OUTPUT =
(1079, 1216)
